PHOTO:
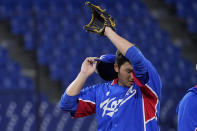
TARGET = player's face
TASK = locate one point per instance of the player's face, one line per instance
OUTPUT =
(125, 75)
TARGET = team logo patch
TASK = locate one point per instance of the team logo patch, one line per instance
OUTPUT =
(111, 105)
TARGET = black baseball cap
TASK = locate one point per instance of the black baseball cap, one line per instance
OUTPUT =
(105, 67)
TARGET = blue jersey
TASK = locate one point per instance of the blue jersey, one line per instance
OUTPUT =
(187, 111)
(121, 108)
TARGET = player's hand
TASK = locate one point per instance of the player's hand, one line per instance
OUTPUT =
(88, 66)
(107, 31)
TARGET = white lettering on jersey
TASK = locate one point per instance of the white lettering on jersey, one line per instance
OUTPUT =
(107, 93)
(110, 106)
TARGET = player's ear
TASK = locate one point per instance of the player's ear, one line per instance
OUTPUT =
(116, 68)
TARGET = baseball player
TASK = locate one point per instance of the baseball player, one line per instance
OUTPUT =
(131, 101)
(186, 111)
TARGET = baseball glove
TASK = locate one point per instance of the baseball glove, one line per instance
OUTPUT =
(100, 19)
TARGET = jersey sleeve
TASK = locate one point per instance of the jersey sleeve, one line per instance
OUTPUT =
(144, 71)
(138, 62)
(148, 80)
(81, 105)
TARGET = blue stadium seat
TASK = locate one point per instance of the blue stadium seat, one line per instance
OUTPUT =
(192, 26)
(10, 73)
(57, 8)
(22, 23)
(7, 10)
(24, 7)
(29, 42)
(40, 7)
(186, 10)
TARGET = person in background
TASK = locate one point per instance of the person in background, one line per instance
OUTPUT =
(187, 111)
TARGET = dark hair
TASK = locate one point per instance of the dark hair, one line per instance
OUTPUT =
(120, 58)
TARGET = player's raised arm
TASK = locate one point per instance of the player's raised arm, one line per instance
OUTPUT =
(88, 67)
(136, 58)
(121, 44)
(70, 97)
(103, 23)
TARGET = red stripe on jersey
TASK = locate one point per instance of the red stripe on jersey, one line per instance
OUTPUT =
(85, 108)
(115, 81)
(195, 85)
(150, 100)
